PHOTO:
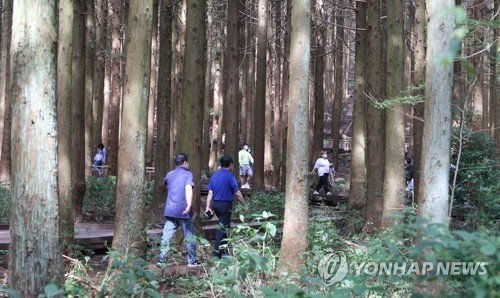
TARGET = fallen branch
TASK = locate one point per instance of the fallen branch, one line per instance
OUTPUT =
(84, 281)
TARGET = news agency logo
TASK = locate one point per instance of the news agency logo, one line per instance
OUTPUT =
(334, 268)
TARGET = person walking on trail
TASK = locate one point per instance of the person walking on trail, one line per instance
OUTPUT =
(323, 166)
(245, 160)
(221, 191)
(178, 213)
(99, 159)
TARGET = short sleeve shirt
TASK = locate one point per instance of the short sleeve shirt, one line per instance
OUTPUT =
(223, 185)
(323, 166)
(176, 182)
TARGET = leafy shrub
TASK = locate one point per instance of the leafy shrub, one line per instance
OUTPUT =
(477, 190)
(99, 201)
(5, 200)
(272, 202)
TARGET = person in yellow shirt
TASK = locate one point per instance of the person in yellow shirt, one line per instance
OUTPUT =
(245, 159)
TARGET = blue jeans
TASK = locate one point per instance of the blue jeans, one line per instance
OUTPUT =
(171, 225)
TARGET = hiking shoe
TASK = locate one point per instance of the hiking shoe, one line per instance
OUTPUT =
(196, 264)
(328, 193)
(315, 193)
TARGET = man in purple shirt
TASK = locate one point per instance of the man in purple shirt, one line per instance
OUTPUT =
(222, 188)
(178, 213)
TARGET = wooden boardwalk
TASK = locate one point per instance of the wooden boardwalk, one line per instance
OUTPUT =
(99, 235)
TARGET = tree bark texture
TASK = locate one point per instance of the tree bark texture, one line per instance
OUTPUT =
(130, 220)
(278, 100)
(418, 110)
(433, 191)
(64, 117)
(231, 107)
(338, 97)
(6, 28)
(153, 86)
(295, 226)
(87, 14)
(190, 135)
(6, 32)
(78, 87)
(162, 148)
(495, 85)
(394, 179)
(318, 91)
(35, 256)
(260, 96)
(357, 193)
(374, 121)
(116, 83)
(100, 55)
(286, 91)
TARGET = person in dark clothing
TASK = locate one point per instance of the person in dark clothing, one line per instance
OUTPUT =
(408, 169)
(221, 191)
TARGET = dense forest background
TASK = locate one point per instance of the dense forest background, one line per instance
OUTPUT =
(373, 82)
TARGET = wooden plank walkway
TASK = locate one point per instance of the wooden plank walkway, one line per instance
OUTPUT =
(97, 235)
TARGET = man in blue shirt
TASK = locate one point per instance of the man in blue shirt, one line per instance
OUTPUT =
(221, 190)
(179, 183)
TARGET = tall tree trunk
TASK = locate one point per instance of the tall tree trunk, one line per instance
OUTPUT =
(64, 119)
(192, 97)
(268, 113)
(433, 196)
(35, 255)
(78, 80)
(217, 117)
(339, 86)
(87, 84)
(208, 96)
(107, 96)
(231, 108)
(152, 86)
(357, 194)
(6, 33)
(295, 226)
(250, 73)
(180, 45)
(286, 91)
(115, 13)
(101, 29)
(260, 97)
(418, 110)
(394, 179)
(162, 148)
(243, 71)
(374, 121)
(130, 219)
(318, 91)
(278, 102)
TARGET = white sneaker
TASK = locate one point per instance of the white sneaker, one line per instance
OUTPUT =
(328, 193)
(244, 186)
(315, 193)
(247, 186)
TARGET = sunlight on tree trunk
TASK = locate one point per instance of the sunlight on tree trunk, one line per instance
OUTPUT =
(64, 63)
(294, 242)
(260, 97)
(433, 192)
(35, 256)
(357, 194)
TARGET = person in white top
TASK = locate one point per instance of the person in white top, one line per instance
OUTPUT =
(323, 166)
